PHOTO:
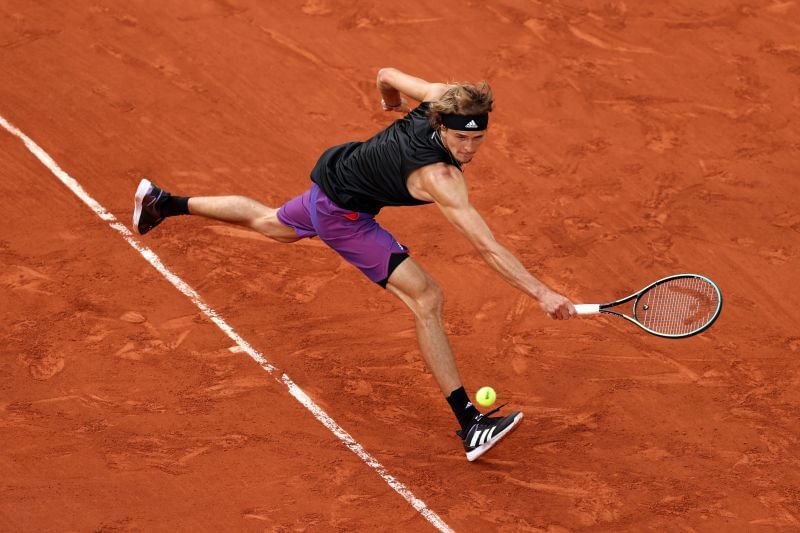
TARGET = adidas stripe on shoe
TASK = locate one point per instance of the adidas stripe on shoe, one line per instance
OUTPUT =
(486, 431)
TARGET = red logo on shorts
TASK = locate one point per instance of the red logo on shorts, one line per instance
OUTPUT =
(351, 216)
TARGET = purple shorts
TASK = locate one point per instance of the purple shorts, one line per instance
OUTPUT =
(357, 237)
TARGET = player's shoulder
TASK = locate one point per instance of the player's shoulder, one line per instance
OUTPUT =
(441, 173)
(436, 182)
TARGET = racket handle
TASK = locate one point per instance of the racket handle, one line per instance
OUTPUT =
(587, 309)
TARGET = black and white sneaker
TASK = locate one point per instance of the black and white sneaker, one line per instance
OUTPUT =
(146, 212)
(486, 431)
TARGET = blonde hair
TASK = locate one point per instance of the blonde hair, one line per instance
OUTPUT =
(461, 99)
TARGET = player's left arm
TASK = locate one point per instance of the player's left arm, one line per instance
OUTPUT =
(448, 189)
(393, 84)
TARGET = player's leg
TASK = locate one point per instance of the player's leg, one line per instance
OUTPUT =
(422, 295)
(424, 298)
(243, 211)
(152, 205)
(419, 292)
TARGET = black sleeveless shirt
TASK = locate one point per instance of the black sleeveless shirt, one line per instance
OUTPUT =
(366, 176)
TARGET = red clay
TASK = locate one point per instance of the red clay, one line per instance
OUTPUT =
(630, 141)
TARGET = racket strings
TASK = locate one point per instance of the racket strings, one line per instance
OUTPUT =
(678, 306)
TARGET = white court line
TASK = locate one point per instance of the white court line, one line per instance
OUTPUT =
(242, 344)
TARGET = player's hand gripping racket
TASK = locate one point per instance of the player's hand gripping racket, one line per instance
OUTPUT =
(675, 307)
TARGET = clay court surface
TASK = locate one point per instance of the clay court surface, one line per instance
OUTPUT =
(629, 141)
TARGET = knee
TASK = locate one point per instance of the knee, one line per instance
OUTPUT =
(429, 301)
(270, 226)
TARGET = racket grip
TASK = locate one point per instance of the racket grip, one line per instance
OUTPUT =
(587, 309)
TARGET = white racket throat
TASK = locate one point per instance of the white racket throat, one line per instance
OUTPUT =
(587, 309)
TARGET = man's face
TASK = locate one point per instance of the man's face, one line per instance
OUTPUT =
(462, 144)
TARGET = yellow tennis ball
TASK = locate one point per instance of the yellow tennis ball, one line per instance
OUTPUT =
(485, 396)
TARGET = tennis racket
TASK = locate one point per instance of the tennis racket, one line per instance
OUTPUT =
(674, 307)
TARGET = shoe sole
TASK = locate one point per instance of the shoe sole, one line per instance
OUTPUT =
(141, 191)
(477, 452)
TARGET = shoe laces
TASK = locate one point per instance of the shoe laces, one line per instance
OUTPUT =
(486, 416)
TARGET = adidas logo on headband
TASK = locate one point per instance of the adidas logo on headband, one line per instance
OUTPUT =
(466, 122)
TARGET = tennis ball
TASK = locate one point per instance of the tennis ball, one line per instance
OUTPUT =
(485, 396)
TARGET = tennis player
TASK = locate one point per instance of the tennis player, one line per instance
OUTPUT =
(418, 159)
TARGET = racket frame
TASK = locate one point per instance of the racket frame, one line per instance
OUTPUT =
(590, 309)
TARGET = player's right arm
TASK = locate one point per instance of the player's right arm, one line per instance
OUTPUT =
(393, 84)
(445, 186)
